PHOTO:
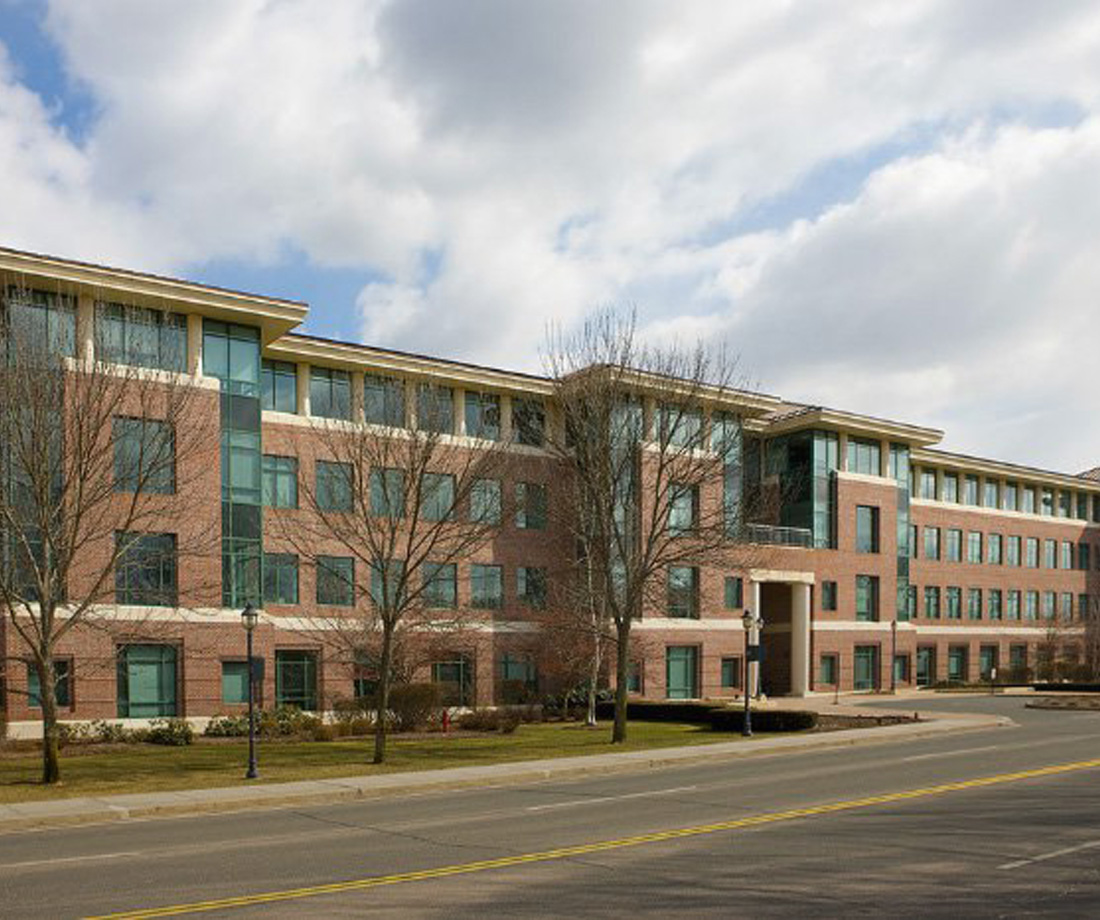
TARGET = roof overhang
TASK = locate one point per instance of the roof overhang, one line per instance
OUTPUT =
(965, 463)
(852, 423)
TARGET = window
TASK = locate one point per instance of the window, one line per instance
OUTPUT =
(1050, 554)
(995, 599)
(1049, 605)
(828, 595)
(1067, 605)
(864, 456)
(329, 393)
(1065, 504)
(62, 684)
(910, 602)
(683, 508)
(635, 674)
(1033, 552)
(1032, 608)
(734, 593)
(1083, 608)
(279, 386)
(912, 541)
(232, 354)
(994, 546)
(234, 681)
(970, 490)
(280, 578)
(334, 486)
(336, 581)
(990, 494)
(485, 501)
(280, 481)
(683, 591)
(865, 667)
(483, 415)
(530, 506)
(928, 485)
(440, 585)
(1028, 500)
(931, 543)
(1013, 610)
(954, 545)
(681, 672)
(1082, 506)
(828, 669)
(437, 501)
(731, 673)
(1046, 502)
(932, 603)
(387, 588)
(1012, 554)
(146, 681)
(435, 409)
(455, 679)
(950, 487)
(145, 455)
(1067, 555)
(974, 603)
(528, 422)
(954, 603)
(531, 586)
(486, 586)
(974, 547)
(1010, 497)
(1083, 557)
(145, 573)
(520, 674)
(387, 493)
(679, 426)
(957, 665)
(901, 669)
(866, 597)
(866, 529)
(383, 401)
(141, 337)
(296, 679)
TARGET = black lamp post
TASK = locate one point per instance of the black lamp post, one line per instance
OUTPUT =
(748, 621)
(249, 617)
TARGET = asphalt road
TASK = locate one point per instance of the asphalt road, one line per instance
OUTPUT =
(959, 826)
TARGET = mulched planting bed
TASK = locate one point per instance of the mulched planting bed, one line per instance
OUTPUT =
(1073, 703)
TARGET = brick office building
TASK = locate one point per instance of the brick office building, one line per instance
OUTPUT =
(884, 562)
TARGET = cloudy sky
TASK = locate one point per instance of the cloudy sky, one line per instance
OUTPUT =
(887, 207)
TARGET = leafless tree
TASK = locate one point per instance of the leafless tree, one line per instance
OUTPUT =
(651, 456)
(92, 456)
(406, 504)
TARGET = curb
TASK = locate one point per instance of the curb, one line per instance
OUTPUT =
(222, 800)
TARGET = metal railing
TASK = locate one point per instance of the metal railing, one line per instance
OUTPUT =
(774, 535)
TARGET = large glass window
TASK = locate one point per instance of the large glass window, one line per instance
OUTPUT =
(280, 481)
(954, 545)
(993, 549)
(974, 603)
(1010, 497)
(931, 543)
(387, 586)
(928, 485)
(950, 487)
(866, 529)
(146, 681)
(486, 586)
(866, 597)
(435, 409)
(455, 679)
(530, 505)
(1032, 552)
(485, 501)
(145, 455)
(336, 581)
(329, 393)
(1031, 611)
(1050, 554)
(865, 667)
(531, 586)
(828, 595)
(1012, 551)
(387, 493)
(734, 593)
(1027, 500)
(438, 498)
(932, 603)
(996, 601)
(991, 494)
(279, 386)
(1067, 555)
(957, 666)
(680, 426)
(383, 401)
(1046, 502)
(1013, 608)
(864, 456)
(1048, 605)
(1065, 504)
(440, 585)
(296, 679)
(528, 421)
(954, 603)
(683, 508)
(683, 591)
(145, 574)
(483, 415)
(141, 337)
(232, 354)
(970, 490)
(974, 547)
(42, 317)
(62, 684)
(681, 672)
(234, 681)
(334, 486)
(280, 578)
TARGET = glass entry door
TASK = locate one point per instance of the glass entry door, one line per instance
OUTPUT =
(681, 671)
(926, 666)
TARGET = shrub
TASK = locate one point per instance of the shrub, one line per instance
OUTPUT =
(413, 705)
(505, 720)
(323, 732)
(101, 732)
(350, 710)
(174, 732)
(227, 727)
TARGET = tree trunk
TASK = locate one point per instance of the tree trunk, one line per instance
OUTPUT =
(622, 674)
(384, 678)
(593, 682)
(51, 759)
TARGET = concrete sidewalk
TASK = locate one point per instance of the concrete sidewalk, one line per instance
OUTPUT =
(21, 816)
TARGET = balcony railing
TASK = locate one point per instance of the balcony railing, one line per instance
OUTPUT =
(773, 535)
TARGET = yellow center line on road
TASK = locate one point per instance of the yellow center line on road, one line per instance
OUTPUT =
(584, 849)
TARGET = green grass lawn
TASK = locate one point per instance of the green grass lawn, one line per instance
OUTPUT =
(151, 768)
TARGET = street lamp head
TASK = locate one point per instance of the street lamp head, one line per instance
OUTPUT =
(748, 621)
(250, 616)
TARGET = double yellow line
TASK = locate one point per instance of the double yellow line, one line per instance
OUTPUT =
(584, 849)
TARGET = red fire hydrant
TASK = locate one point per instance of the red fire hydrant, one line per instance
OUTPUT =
(446, 720)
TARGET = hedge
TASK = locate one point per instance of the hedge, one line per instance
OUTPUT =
(1067, 688)
(691, 713)
(765, 720)
(721, 718)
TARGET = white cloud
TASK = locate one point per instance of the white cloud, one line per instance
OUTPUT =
(543, 158)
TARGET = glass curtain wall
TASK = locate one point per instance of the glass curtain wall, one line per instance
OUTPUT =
(899, 469)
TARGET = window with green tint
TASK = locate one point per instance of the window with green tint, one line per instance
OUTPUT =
(731, 673)
(1065, 504)
(482, 415)
(931, 543)
(296, 679)
(336, 581)
(864, 456)
(387, 586)
(1046, 502)
(329, 393)
(680, 426)
(970, 490)
(232, 354)
(995, 603)
(910, 602)
(1028, 501)
(1067, 605)
(146, 681)
(954, 603)
(932, 603)
(974, 603)
(866, 529)
(734, 593)
(928, 485)
(991, 497)
(987, 661)
(683, 591)
(681, 672)
(145, 455)
(1050, 554)
(1032, 609)
(1083, 562)
(440, 585)
(865, 667)
(635, 677)
(528, 422)
(435, 409)
(974, 547)
(683, 508)
(1082, 507)
(280, 481)
(1010, 497)
(531, 586)
(518, 669)
(234, 681)
(994, 549)
(1012, 610)
(913, 541)
(280, 578)
(383, 401)
(1032, 552)
(486, 586)
(1012, 551)
(145, 574)
(828, 669)
(1049, 605)
(954, 545)
(387, 493)
(950, 487)
(957, 666)
(279, 386)
(828, 595)
(901, 669)
(455, 678)
(437, 499)
(140, 337)
(335, 489)
(1067, 555)
(530, 505)
(42, 317)
(62, 684)
(867, 597)
(485, 501)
